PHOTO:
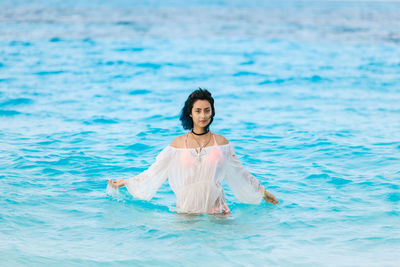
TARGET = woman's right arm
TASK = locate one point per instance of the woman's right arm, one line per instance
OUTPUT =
(144, 185)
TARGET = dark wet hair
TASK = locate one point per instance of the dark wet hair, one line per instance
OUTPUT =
(199, 94)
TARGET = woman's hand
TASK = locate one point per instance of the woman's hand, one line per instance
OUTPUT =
(117, 183)
(270, 198)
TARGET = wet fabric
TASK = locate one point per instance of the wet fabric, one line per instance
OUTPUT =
(195, 176)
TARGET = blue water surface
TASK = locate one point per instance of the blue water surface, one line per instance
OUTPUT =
(307, 92)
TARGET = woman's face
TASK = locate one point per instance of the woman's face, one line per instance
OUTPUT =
(201, 113)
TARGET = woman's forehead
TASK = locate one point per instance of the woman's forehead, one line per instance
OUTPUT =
(201, 104)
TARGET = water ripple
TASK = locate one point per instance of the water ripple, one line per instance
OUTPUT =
(9, 113)
(16, 101)
(307, 93)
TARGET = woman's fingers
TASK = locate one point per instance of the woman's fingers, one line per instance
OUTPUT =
(112, 183)
(272, 199)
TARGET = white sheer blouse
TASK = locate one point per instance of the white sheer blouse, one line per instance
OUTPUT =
(196, 177)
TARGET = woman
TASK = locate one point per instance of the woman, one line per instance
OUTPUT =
(195, 164)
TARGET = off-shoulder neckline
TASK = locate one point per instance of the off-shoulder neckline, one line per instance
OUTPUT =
(198, 147)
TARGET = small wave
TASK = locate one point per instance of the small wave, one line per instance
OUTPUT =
(149, 65)
(315, 78)
(9, 113)
(55, 39)
(246, 73)
(393, 197)
(89, 41)
(140, 92)
(81, 133)
(130, 49)
(184, 78)
(115, 62)
(121, 76)
(249, 62)
(154, 118)
(16, 101)
(84, 190)
(139, 147)
(48, 142)
(318, 143)
(348, 29)
(6, 80)
(393, 38)
(105, 121)
(44, 73)
(52, 171)
(318, 176)
(267, 137)
(19, 43)
(386, 143)
(393, 213)
(276, 81)
(339, 181)
(60, 162)
(101, 120)
(125, 23)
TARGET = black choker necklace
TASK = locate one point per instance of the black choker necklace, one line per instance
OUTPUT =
(201, 133)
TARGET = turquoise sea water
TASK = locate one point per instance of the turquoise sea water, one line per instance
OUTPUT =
(307, 92)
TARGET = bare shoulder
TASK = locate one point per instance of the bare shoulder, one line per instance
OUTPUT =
(221, 140)
(179, 142)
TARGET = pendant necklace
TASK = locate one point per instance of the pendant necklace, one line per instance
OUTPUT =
(201, 145)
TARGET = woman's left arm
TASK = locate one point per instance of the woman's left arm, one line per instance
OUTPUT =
(117, 183)
(243, 184)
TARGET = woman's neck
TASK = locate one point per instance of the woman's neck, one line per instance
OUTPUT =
(199, 131)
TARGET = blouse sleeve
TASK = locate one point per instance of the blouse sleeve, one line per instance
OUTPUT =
(145, 185)
(244, 186)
